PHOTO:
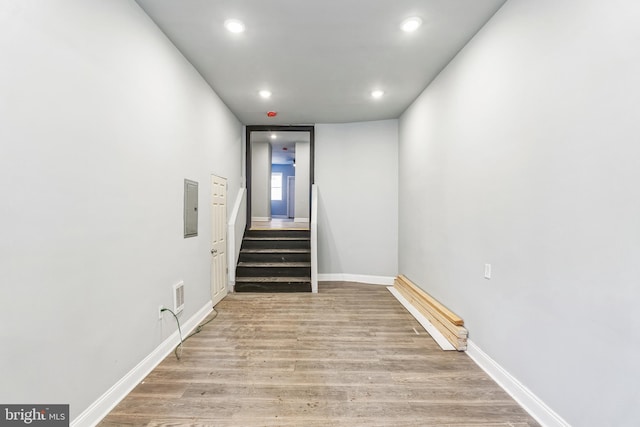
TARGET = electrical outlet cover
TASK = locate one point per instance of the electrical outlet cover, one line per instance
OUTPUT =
(487, 271)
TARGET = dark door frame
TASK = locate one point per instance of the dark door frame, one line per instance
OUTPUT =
(276, 128)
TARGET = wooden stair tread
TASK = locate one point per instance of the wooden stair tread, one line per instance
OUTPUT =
(272, 279)
(278, 239)
(279, 229)
(274, 264)
(275, 251)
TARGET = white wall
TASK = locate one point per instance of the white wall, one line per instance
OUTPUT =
(235, 232)
(303, 182)
(260, 181)
(524, 154)
(356, 170)
(101, 121)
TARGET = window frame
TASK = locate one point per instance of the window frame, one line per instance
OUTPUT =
(281, 187)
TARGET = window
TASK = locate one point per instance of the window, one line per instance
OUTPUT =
(276, 186)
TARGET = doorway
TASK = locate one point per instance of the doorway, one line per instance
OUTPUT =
(280, 172)
(218, 238)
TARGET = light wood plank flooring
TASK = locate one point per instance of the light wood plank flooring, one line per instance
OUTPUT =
(279, 224)
(347, 356)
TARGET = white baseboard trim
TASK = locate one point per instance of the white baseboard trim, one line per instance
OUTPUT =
(372, 280)
(105, 403)
(301, 220)
(428, 326)
(260, 218)
(521, 394)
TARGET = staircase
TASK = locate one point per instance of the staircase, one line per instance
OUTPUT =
(274, 261)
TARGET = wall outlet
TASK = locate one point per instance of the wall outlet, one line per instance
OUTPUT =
(487, 271)
(160, 312)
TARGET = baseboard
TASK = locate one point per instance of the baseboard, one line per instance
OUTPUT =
(428, 326)
(260, 218)
(521, 394)
(105, 403)
(372, 280)
(301, 220)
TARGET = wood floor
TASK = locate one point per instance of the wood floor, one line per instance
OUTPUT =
(350, 355)
(279, 224)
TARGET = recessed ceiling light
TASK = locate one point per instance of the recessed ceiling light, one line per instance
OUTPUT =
(265, 94)
(411, 24)
(234, 25)
(273, 136)
(377, 93)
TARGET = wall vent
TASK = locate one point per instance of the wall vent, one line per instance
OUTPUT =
(178, 297)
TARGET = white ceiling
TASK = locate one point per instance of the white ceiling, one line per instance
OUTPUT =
(320, 59)
(283, 147)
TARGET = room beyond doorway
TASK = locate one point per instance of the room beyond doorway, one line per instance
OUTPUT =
(279, 170)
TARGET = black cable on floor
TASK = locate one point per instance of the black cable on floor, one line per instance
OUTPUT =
(197, 330)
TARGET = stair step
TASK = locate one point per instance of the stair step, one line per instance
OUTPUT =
(275, 244)
(273, 264)
(272, 287)
(275, 251)
(274, 257)
(273, 279)
(277, 239)
(263, 229)
(273, 271)
(274, 261)
(277, 233)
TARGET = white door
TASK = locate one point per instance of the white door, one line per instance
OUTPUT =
(291, 196)
(218, 238)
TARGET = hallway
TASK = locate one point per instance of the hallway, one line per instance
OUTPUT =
(490, 155)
